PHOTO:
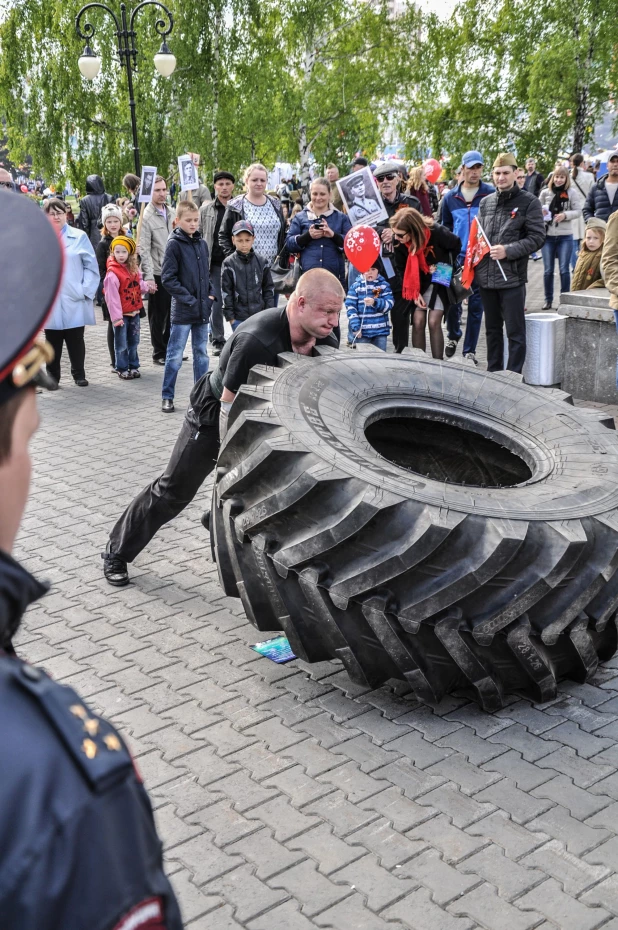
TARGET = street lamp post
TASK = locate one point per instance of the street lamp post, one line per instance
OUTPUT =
(90, 64)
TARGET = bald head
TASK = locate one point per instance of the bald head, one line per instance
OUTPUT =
(314, 307)
(318, 283)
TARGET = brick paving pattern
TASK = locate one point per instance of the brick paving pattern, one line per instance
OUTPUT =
(288, 798)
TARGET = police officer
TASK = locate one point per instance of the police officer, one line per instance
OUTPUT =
(311, 315)
(78, 845)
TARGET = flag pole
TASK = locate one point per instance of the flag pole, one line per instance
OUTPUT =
(484, 235)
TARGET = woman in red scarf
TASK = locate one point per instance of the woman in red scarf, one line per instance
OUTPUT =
(432, 250)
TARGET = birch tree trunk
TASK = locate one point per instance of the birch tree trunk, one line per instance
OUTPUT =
(218, 24)
(304, 147)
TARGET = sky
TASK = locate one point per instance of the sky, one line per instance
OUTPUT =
(442, 7)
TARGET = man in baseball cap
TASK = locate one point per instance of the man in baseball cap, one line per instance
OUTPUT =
(80, 847)
(472, 159)
(459, 207)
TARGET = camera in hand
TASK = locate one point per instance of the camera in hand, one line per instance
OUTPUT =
(319, 222)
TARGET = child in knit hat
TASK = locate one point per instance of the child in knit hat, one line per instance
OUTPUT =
(587, 271)
(111, 215)
(124, 287)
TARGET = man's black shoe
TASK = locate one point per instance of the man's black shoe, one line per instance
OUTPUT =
(451, 348)
(114, 568)
(206, 520)
(216, 351)
(167, 405)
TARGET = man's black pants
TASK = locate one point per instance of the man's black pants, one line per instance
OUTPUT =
(193, 458)
(400, 318)
(159, 308)
(76, 347)
(505, 308)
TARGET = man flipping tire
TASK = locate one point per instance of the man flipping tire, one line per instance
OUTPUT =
(308, 320)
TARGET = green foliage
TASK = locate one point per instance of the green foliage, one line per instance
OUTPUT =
(532, 76)
(254, 80)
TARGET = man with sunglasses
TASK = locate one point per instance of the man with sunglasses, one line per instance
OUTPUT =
(459, 208)
(394, 254)
(6, 181)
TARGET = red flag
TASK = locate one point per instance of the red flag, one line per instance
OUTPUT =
(478, 247)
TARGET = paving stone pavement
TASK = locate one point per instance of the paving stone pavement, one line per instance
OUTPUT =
(287, 797)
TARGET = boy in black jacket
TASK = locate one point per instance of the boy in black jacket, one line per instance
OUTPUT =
(246, 282)
(186, 277)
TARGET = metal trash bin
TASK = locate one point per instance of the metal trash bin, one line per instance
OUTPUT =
(545, 348)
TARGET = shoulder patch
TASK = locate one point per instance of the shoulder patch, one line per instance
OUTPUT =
(148, 915)
(96, 747)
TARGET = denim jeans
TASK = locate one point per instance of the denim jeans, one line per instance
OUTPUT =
(575, 253)
(473, 325)
(560, 246)
(179, 333)
(452, 319)
(379, 341)
(126, 341)
(235, 325)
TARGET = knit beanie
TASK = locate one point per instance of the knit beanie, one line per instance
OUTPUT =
(110, 209)
(129, 244)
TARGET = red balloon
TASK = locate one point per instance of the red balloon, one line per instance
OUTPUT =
(362, 246)
(433, 170)
(23, 189)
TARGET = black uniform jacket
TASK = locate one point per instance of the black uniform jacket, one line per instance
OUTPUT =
(78, 845)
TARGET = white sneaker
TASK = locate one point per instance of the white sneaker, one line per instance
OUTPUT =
(471, 355)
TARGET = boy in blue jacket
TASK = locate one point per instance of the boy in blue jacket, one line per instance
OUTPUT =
(368, 304)
(186, 277)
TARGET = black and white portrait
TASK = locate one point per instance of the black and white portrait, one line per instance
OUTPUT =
(361, 197)
(147, 183)
(188, 173)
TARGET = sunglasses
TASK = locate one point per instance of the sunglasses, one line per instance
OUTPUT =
(399, 235)
(8, 184)
(388, 177)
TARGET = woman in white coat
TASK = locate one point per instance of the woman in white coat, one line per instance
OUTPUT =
(581, 180)
(562, 205)
(74, 308)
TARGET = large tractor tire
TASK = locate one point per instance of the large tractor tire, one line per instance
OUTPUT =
(422, 520)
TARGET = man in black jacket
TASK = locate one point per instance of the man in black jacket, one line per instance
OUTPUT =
(512, 221)
(601, 201)
(90, 208)
(311, 315)
(394, 255)
(533, 181)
